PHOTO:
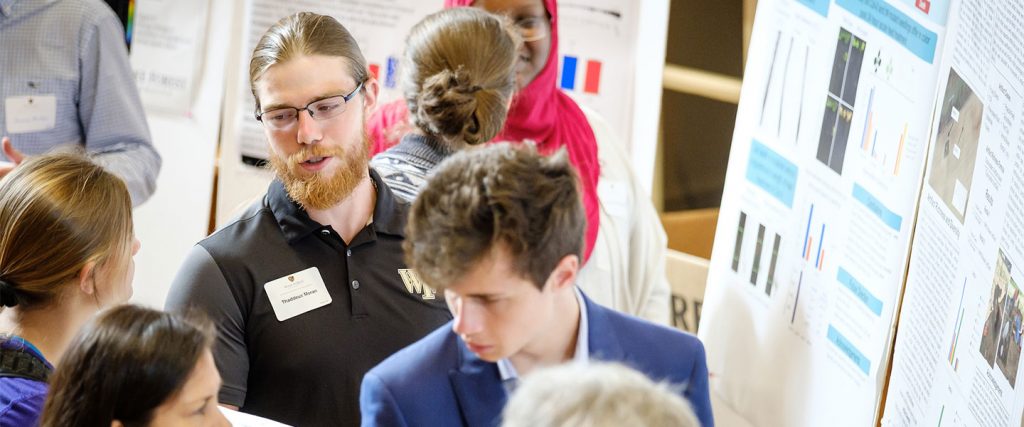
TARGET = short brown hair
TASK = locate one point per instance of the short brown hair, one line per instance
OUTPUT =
(59, 212)
(305, 33)
(497, 194)
(124, 364)
(459, 74)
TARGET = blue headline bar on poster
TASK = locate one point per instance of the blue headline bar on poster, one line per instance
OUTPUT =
(772, 172)
(903, 29)
(873, 303)
(848, 349)
(876, 207)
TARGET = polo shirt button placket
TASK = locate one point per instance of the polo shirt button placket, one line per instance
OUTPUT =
(358, 306)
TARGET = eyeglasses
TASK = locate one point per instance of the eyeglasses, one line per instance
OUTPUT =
(532, 28)
(320, 110)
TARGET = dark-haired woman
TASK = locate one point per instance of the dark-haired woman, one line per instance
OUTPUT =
(135, 366)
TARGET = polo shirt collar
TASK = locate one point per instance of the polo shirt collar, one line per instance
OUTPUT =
(388, 212)
(6, 7)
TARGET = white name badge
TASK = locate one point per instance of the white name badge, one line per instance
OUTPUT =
(297, 293)
(614, 197)
(31, 113)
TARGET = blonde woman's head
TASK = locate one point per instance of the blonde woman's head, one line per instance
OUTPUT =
(458, 76)
(64, 220)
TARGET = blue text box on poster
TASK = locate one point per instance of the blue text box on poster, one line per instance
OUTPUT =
(772, 172)
(862, 293)
(897, 25)
(888, 217)
(846, 347)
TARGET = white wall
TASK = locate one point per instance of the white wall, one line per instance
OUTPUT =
(177, 215)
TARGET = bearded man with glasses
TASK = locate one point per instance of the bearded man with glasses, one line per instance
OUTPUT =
(308, 287)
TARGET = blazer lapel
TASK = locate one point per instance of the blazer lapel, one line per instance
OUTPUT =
(478, 389)
(603, 338)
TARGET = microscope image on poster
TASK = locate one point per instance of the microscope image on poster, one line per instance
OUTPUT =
(842, 93)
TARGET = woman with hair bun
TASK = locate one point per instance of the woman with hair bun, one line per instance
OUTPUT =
(458, 80)
(66, 248)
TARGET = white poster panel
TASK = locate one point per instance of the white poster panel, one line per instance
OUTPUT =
(819, 204)
(168, 47)
(185, 134)
(957, 357)
(611, 63)
(602, 47)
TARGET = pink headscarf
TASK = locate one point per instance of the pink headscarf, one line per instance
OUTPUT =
(539, 112)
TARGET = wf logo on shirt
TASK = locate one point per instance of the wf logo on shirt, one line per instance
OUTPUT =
(414, 285)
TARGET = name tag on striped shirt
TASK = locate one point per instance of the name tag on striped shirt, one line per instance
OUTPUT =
(32, 113)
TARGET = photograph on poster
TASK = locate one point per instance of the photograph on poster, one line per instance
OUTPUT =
(770, 284)
(1001, 334)
(740, 228)
(842, 93)
(956, 144)
(765, 245)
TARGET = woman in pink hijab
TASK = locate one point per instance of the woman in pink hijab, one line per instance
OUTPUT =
(625, 241)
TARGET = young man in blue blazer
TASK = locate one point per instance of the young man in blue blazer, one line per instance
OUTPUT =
(499, 230)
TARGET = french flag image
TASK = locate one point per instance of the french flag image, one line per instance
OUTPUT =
(572, 70)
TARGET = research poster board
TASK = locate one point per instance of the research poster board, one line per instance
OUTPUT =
(611, 59)
(957, 356)
(168, 66)
(819, 206)
(179, 64)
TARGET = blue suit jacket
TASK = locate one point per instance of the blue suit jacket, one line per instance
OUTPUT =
(437, 381)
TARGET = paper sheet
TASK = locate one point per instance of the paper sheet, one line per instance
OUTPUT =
(957, 356)
(819, 204)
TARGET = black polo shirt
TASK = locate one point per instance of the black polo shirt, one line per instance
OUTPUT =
(305, 370)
